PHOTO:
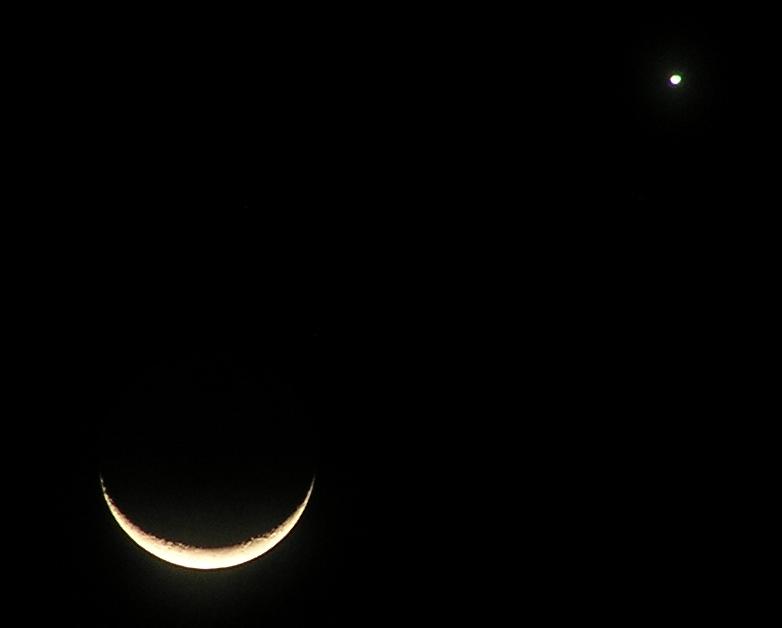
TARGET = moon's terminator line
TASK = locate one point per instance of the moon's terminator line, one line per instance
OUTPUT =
(205, 557)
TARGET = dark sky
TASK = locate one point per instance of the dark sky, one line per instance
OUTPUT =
(451, 266)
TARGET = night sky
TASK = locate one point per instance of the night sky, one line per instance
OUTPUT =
(452, 267)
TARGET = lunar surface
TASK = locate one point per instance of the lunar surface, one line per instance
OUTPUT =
(206, 557)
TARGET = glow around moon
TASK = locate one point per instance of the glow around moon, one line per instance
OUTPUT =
(206, 557)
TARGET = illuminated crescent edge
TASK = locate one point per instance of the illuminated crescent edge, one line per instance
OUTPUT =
(205, 557)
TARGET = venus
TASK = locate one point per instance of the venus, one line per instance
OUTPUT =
(206, 557)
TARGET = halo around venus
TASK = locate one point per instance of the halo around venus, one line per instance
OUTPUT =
(206, 557)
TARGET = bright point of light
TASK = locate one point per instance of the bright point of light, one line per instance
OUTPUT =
(675, 79)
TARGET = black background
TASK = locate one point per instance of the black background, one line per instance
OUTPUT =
(463, 269)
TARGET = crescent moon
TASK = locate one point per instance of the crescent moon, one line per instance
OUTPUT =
(205, 557)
